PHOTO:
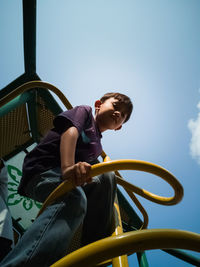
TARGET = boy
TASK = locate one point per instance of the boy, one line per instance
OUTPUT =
(67, 152)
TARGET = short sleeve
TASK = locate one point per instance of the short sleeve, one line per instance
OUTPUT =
(78, 117)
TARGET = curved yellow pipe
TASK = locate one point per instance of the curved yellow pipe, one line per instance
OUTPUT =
(127, 165)
(128, 243)
(31, 85)
(137, 203)
(139, 165)
(144, 213)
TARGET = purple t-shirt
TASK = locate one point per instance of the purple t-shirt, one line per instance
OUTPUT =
(46, 155)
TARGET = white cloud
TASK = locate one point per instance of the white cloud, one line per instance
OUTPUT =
(194, 126)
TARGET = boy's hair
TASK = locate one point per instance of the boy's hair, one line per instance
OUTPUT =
(121, 98)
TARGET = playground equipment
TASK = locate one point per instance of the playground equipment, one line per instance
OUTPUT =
(27, 109)
(36, 105)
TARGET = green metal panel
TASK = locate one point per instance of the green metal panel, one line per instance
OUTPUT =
(50, 101)
(134, 220)
(17, 101)
(183, 256)
(134, 223)
(32, 113)
(142, 259)
(29, 22)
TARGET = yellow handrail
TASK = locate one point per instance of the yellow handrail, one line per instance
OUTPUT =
(137, 203)
(122, 261)
(106, 158)
(139, 165)
(127, 165)
(128, 243)
(34, 84)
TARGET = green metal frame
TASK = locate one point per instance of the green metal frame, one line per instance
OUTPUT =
(29, 98)
(29, 37)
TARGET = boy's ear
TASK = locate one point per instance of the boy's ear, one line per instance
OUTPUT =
(118, 128)
(97, 104)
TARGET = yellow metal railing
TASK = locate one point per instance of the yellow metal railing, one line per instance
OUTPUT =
(128, 243)
(106, 158)
(115, 165)
(122, 261)
(31, 85)
(128, 164)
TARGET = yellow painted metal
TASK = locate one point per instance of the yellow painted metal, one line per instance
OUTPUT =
(128, 243)
(131, 164)
(121, 261)
(106, 158)
(31, 85)
(128, 164)
(139, 206)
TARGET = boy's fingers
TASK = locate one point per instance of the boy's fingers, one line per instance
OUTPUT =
(84, 172)
(83, 169)
(79, 173)
(87, 170)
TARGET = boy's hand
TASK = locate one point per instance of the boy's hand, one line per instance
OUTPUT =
(78, 173)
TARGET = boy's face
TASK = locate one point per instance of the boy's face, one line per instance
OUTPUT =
(110, 115)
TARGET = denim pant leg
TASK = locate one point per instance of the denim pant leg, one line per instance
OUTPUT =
(100, 201)
(47, 239)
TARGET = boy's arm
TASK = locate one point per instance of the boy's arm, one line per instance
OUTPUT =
(79, 172)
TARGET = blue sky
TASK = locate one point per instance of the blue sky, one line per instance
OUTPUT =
(146, 49)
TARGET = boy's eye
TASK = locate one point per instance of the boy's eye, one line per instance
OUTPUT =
(114, 105)
(117, 107)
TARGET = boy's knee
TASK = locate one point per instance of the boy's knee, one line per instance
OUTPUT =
(106, 185)
(79, 200)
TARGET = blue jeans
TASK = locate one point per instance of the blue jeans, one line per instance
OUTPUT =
(48, 238)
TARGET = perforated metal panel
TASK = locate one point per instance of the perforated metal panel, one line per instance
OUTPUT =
(44, 117)
(14, 130)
